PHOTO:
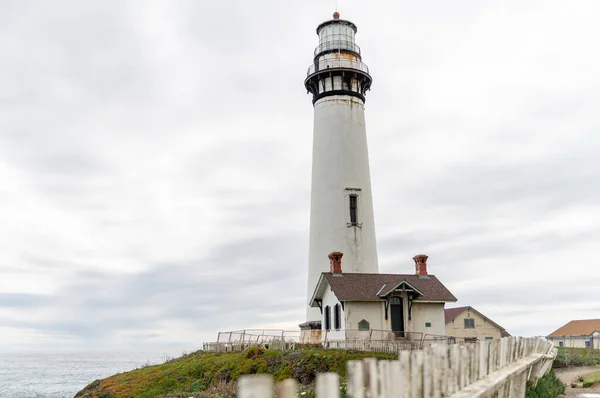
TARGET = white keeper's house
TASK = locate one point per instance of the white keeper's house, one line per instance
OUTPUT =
(360, 306)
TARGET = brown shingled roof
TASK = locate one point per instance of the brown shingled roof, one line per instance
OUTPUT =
(582, 327)
(451, 313)
(365, 287)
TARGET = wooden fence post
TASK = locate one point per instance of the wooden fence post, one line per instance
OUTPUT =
(453, 370)
(356, 385)
(328, 385)
(370, 377)
(440, 370)
(255, 386)
(387, 384)
(463, 367)
(518, 384)
(474, 355)
(416, 374)
(287, 389)
(484, 347)
(427, 372)
(402, 374)
(504, 390)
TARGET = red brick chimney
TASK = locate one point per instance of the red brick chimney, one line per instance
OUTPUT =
(421, 264)
(335, 263)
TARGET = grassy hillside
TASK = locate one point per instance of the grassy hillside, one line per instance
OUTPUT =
(210, 374)
(202, 374)
(571, 357)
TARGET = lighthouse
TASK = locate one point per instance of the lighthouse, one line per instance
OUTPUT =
(341, 207)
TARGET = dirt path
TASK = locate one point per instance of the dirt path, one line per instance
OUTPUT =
(568, 375)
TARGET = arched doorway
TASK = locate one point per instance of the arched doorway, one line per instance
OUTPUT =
(397, 315)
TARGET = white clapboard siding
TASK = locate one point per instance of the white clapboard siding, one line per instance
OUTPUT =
(487, 368)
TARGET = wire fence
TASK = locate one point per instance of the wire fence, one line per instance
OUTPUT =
(348, 339)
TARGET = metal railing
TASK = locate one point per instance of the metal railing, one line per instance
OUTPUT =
(429, 339)
(259, 336)
(337, 63)
(371, 335)
(367, 340)
(337, 45)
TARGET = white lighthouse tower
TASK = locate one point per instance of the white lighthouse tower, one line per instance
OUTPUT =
(341, 209)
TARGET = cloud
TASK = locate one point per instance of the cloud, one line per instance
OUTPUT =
(155, 162)
(20, 300)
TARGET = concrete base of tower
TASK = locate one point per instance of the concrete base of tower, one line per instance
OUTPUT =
(310, 332)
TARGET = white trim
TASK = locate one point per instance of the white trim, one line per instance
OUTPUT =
(404, 281)
(432, 301)
(382, 299)
(317, 288)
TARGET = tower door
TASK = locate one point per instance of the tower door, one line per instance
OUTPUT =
(397, 315)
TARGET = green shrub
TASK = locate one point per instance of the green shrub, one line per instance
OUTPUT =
(548, 386)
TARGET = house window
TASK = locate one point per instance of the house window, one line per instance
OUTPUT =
(353, 201)
(587, 344)
(470, 340)
(337, 317)
(469, 323)
(561, 343)
(427, 324)
(363, 325)
(488, 338)
(451, 340)
(327, 315)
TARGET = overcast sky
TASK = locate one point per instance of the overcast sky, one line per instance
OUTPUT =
(155, 162)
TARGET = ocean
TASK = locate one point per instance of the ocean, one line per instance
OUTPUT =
(61, 374)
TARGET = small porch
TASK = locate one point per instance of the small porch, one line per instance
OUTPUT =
(398, 310)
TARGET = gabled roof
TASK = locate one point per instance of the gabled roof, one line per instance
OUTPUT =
(387, 288)
(452, 313)
(370, 287)
(582, 327)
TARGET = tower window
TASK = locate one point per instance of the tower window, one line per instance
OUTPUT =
(353, 200)
(346, 83)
